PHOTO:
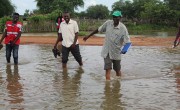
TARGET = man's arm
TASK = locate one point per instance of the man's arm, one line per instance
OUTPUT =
(58, 40)
(126, 41)
(75, 40)
(176, 39)
(94, 32)
(102, 28)
(3, 36)
(18, 36)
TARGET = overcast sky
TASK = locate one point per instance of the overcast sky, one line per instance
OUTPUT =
(22, 5)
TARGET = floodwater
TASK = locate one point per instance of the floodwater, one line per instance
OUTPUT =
(150, 81)
(154, 33)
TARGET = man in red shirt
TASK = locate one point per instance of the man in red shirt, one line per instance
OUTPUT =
(12, 35)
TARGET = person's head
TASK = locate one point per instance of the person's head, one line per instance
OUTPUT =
(66, 16)
(116, 16)
(15, 17)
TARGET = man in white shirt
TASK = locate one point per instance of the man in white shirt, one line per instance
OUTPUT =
(68, 34)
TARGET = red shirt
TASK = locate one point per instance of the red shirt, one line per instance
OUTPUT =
(12, 32)
(58, 26)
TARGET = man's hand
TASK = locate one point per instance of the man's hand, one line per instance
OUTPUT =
(123, 52)
(12, 43)
(73, 46)
(176, 43)
(85, 38)
(55, 46)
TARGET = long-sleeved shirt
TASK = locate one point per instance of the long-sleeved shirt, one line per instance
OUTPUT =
(115, 38)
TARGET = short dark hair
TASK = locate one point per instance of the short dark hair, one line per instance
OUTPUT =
(15, 14)
(66, 11)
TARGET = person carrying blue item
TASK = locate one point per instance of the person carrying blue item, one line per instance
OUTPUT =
(116, 37)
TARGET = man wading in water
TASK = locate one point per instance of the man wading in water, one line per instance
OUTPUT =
(12, 36)
(116, 36)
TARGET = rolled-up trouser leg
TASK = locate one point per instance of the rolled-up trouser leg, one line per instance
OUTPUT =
(65, 54)
(15, 53)
(8, 52)
(76, 53)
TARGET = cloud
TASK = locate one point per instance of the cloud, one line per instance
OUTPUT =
(89, 3)
(22, 5)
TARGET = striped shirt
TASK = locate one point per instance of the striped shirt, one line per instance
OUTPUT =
(115, 38)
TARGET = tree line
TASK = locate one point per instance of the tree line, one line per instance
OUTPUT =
(159, 12)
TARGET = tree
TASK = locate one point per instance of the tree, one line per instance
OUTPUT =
(157, 13)
(82, 14)
(173, 4)
(126, 7)
(6, 8)
(47, 6)
(98, 11)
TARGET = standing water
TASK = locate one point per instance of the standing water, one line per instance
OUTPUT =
(150, 81)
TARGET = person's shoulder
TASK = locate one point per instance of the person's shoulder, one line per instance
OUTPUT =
(63, 22)
(122, 24)
(108, 21)
(73, 21)
(8, 22)
(19, 22)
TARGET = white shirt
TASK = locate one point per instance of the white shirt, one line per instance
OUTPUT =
(68, 32)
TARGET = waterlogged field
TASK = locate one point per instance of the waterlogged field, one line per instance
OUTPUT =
(150, 80)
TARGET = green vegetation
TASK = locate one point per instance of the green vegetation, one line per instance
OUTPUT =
(83, 33)
(148, 29)
(48, 6)
(6, 8)
(98, 12)
(3, 22)
(140, 16)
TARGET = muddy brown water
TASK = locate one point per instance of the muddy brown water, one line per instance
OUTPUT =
(150, 81)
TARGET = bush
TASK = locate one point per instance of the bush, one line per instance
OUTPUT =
(3, 22)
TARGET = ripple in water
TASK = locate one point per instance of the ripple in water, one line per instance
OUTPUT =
(150, 80)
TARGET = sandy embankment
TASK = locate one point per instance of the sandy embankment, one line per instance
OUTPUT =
(136, 40)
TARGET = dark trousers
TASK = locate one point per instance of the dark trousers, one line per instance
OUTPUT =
(12, 49)
(75, 52)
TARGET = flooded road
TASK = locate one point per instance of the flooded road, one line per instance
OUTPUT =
(150, 81)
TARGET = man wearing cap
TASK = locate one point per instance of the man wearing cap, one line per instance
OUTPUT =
(116, 36)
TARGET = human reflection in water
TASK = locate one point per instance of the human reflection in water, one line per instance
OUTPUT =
(177, 76)
(112, 98)
(70, 90)
(176, 70)
(14, 87)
